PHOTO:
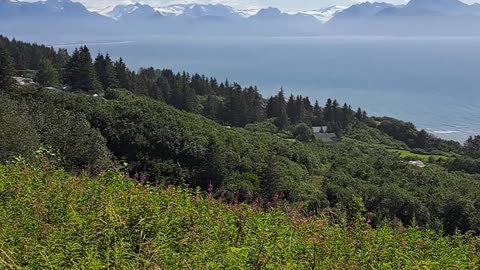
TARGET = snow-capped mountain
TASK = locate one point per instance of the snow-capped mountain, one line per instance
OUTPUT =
(65, 17)
(271, 14)
(191, 11)
(325, 14)
(363, 10)
(48, 8)
(248, 12)
(131, 12)
(417, 17)
(218, 10)
(172, 10)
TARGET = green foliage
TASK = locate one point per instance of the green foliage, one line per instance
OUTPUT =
(406, 132)
(303, 133)
(52, 220)
(71, 135)
(164, 146)
(18, 136)
(168, 146)
(366, 134)
(264, 126)
(106, 72)
(472, 147)
(6, 70)
(80, 73)
(47, 75)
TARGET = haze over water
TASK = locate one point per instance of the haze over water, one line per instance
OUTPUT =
(433, 82)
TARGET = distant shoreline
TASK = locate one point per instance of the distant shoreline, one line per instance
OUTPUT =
(91, 43)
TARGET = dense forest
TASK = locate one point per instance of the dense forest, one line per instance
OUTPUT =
(163, 128)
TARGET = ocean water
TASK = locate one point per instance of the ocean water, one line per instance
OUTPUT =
(433, 82)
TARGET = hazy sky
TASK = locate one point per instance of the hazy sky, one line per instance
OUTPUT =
(286, 5)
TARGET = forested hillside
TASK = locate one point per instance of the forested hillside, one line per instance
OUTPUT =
(162, 128)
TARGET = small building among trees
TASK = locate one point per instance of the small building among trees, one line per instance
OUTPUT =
(23, 80)
(322, 134)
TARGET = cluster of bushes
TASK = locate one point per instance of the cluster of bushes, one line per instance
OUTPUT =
(53, 220)
(167, 146)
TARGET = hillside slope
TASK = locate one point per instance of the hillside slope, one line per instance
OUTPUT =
(53, 220)
(167, 146)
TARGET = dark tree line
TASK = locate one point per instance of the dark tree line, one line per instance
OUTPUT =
(224, 102)
(299, 109)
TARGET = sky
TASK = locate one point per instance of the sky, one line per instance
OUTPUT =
(285, 5)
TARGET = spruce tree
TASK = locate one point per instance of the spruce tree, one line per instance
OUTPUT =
(300, 110)
(123, 75)
(271, 108)
(317, 115)
(110, 80)
(47, 75)
(282, 120)
(164, 88)
(358, 115)
(328, 111)
(80, 73)
(6, 70)
(210, 110)
(292, 109)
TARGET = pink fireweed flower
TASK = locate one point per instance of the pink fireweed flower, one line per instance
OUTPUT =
(210, 191)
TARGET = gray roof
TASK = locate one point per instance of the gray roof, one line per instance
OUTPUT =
(417, 163)
(319, 129)
(326, 137)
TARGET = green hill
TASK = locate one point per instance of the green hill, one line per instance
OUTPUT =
(53, 220)
(165, 146)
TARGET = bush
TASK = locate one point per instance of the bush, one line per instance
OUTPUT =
(53, 220)
(303, 132)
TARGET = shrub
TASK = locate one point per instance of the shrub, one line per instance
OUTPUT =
(52, 220)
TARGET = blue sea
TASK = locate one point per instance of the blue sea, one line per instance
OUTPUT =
(433, 82)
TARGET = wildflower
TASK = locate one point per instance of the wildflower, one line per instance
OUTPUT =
(210, 191)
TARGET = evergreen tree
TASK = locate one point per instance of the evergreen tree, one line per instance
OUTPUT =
(80, 73)
(62, 58)
(164, 88)
(300, 110)
(190, 101)
(282, 120)
(47, 75)
(364, 115)
(271, 108)
(254, 106)
(123, 75)
(308, 118)
(292, 109)
(472, 147)
(317, 115)
(359, 115)
(328, 111)
(335, 111)
(211, 107)
(6, 70)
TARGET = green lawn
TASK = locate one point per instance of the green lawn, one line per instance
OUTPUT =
(423, 157)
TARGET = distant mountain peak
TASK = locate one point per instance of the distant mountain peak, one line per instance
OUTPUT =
(136, 10)
(270, 11)
(325, 14)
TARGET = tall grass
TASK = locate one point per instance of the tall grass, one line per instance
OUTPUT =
(50, 219)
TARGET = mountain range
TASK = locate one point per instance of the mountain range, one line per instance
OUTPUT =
(62, 17)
